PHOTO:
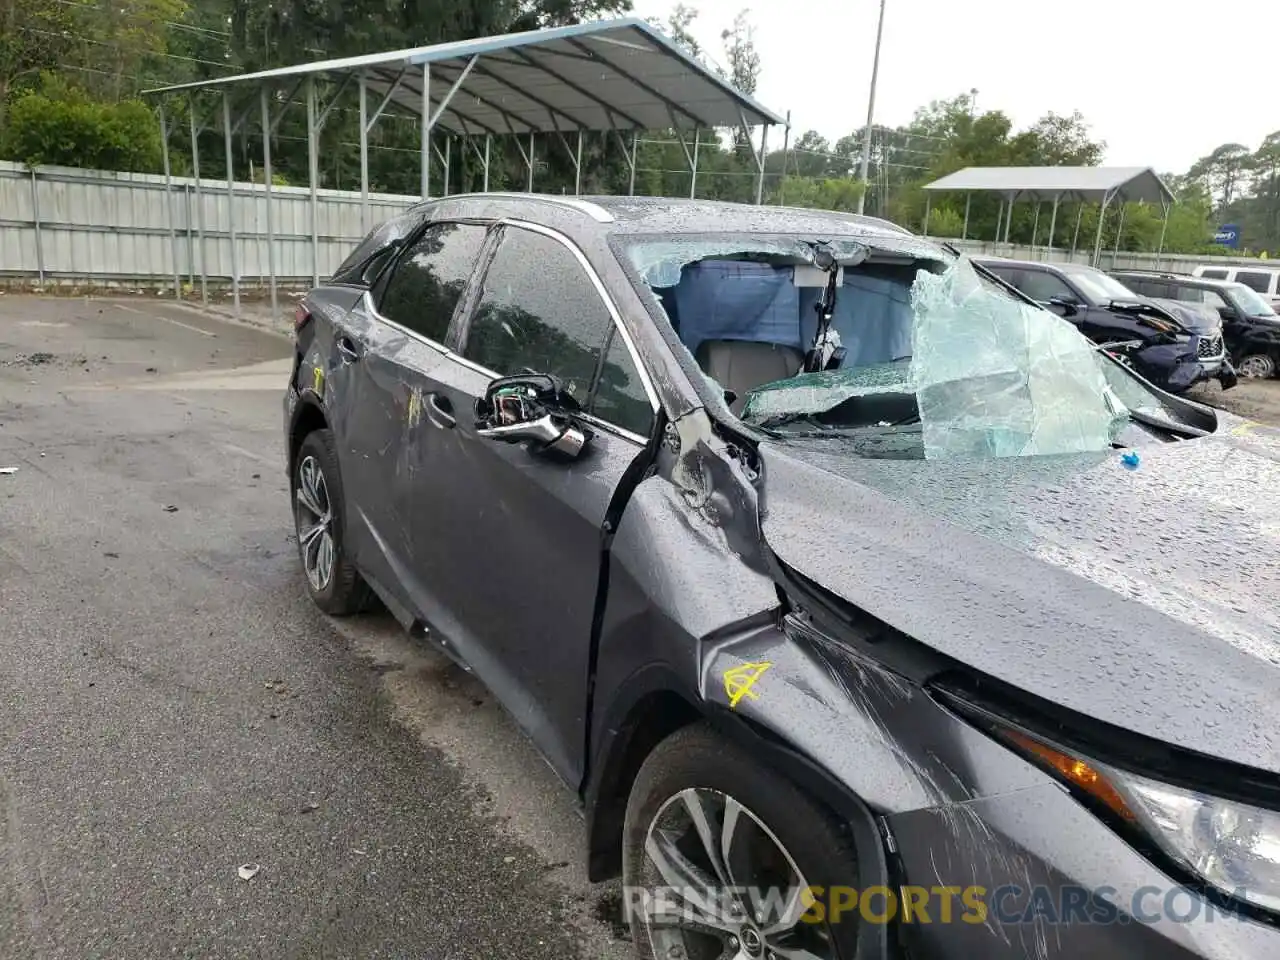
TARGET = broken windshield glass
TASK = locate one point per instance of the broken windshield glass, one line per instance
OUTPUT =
(997, 377)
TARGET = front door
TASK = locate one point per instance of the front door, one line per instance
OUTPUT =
(507, 545)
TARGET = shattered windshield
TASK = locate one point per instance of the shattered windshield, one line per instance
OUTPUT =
(918, 356)
(1248, 301)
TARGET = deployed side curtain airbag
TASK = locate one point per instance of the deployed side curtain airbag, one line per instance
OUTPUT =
(729, 300)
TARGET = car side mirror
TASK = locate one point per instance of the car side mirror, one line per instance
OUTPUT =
(1226, 313)
(535, 409)
(1063, 307)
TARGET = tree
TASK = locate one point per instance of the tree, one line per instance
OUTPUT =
(744, 68)
(35, 35)
(1223, 170)
(74, 130)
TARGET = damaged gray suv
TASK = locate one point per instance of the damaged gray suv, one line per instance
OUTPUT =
(870, 609)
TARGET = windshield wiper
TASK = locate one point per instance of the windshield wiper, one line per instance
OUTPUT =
(1172, 426)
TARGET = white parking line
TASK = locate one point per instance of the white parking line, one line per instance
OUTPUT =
(176, 323)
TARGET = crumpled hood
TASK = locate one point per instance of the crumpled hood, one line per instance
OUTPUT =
(1149, 599)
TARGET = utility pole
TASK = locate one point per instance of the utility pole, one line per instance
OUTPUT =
(871, 110)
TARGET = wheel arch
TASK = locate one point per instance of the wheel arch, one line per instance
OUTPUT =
(308, 417)
(651, 707)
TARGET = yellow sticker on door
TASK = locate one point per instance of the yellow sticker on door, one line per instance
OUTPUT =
(738, 681)
(317, 379)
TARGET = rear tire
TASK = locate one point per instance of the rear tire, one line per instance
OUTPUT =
(778, 839)
(320, 524)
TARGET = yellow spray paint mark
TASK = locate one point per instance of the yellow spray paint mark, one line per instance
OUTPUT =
(317, 379)
(738, 681)
(414, 413)
(1245, 428)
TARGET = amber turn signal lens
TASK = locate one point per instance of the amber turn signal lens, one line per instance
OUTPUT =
(1076, 772)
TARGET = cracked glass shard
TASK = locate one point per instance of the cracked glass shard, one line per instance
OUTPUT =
(996, 377)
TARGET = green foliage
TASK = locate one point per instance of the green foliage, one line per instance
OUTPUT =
(826, 194)
(68, 128)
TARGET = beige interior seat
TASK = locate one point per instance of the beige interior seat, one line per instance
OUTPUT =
(742, 365)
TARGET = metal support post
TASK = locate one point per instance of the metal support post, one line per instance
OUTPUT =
(195, 174)
(1008, 217)
(693, 163)
(488, 141)
(577, 168)
(871, 109)
(1164, 224)
(1075, 237)
(964, 231)
(531, 161)
(426, 131)
(313, 178)
(231, 200)
(35, 212)
(631, 161)
(364, 153)
(764, 147)
(1053, 222)
(1035, 229)
(999, 219)
(266, 179)
(448, 161)
(1097, 240)
(1115, 254)
(786, 143)
(928, 202)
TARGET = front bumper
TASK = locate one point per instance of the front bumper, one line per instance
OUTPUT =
(1055, 882)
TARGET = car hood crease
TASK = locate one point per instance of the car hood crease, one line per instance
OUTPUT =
(1146, 599)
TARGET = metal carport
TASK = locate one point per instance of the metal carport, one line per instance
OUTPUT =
(613, 76)
(1101, 185)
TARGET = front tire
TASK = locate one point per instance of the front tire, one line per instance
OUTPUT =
(719, 853)
(1257, 366)
(320, 524)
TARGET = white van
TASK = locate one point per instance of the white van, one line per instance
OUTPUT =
(1265, 280)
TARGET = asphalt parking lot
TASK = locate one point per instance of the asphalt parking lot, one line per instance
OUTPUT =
(172, 707)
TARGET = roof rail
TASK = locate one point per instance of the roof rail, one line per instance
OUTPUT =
(593, 210)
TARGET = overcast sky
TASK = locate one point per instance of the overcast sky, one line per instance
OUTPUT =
(1161, 86)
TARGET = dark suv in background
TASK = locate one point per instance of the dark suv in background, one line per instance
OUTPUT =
(1175, 349)
(1250, 326)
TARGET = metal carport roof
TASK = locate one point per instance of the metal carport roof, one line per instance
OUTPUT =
(607, 75)
(1085, 184)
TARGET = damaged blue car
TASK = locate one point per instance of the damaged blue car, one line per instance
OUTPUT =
(869, 608)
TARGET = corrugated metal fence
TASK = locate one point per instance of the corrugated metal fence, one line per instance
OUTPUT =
(60, 224)
(65, 225)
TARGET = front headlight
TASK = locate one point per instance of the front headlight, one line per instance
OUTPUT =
(1234, 846)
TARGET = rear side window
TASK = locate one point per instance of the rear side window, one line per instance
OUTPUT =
(373, 253)
(1185, 294)
(423, 291)
(1255, 280)
(1213, 273)
(539, 311)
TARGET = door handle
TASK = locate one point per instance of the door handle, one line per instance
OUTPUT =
(440, 412)
(348, 349)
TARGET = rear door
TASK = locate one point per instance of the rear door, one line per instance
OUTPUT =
(506, 545)
(405, 319)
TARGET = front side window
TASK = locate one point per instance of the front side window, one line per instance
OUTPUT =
(1213, 273)
(540, 312)
(1254, 280)
(423, 292)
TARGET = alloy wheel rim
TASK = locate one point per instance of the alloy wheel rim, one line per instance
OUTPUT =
(1257, 367)
(313, 516)
(719, 885)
